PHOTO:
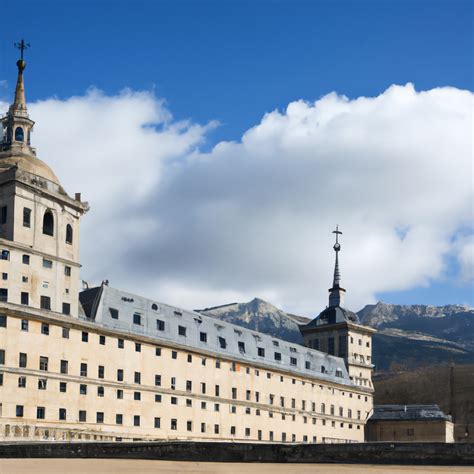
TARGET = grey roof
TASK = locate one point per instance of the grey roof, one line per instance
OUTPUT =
(408, 412)
(240, 343)
(332, 315)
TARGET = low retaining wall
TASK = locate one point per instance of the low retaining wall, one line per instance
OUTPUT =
(364, 453)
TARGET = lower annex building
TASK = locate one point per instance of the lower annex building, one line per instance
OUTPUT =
(104, 364)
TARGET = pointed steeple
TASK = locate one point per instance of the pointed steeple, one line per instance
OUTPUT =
(336, 293)
(17, 125)
(19, 103)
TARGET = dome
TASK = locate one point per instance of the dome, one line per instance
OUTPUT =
(30, 164)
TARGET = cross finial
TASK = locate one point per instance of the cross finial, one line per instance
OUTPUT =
(22, 46)
(337, 232)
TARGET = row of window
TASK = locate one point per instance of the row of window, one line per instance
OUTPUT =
(222, 342)
(45, 303)
(136, 421)
(25, 259)
(48, 222)
(45, 329)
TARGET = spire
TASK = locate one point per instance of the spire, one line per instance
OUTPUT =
(336, 293)
(20, 101)
(17, 125)
(19, 104)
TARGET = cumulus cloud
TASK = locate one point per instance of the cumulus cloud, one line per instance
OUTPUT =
(253, 217)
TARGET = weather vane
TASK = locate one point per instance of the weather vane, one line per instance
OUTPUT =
(22, 46)
(337, 245)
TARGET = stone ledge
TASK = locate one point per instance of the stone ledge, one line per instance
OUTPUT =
(362, 453)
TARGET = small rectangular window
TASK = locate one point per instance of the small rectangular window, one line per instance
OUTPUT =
(3, 294)
(182, 331)
(293, 361)
(102, 340)
(19, 411)
(189, 385)
(63, 387)
(47, 263)
(137, 396)
(114, 314)
(158, 351)
(82, 416)
(138, 347)
(5, 255)
(64, 366)
(241, 345)
(65, 333)
(118, 419)
(174, 424)
(101, 372)
(26, 217)
(120, 343)
(22, 360)
(158, 380)
(22, 382)
(261, 351)
(3, 320)
(160, 325)
(119, 394)
(137, 318)
(62, 414)
(67, 271)
(136, 420)
(85, 336)
(43, 363)
(157, 398)
(120, 375)
(83, 371)
(203, 337)
(4, 276)
(25, 259)
(277, 356)
(100, 391)
(25, 298)
(157, 422)
(222, 343)
(40, 413)
(174, 355)
(45, 302)
(99, 417)
(137, 377)
(66, 308)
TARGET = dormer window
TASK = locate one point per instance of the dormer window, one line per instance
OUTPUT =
(19, 134)
(69, 234)
(48, 223)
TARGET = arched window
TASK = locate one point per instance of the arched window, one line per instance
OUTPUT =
(48, 223)
(19, 134)
(69, 234)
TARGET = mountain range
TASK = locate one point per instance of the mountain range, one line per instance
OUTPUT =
(407, 335)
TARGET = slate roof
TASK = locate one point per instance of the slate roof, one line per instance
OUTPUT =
(408, 412)
(333, 315)
(241, 344)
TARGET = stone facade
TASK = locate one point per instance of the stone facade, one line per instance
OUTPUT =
(107, 365)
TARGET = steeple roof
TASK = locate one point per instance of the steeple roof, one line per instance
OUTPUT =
(334, 313)
(15, 146)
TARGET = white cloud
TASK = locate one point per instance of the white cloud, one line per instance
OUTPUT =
(253, 218)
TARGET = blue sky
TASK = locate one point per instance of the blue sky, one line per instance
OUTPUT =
(233, 61)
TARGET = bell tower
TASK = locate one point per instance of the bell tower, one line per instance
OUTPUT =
(39, 221)
(337, 331)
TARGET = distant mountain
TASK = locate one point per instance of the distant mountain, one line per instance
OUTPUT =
(260, 316)
(416, 335)
(408, 336)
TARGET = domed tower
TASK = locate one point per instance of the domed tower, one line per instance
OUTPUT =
(337, 331)
(39, 222)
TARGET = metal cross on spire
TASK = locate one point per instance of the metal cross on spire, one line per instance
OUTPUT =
(22, 46)
(337, 245)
